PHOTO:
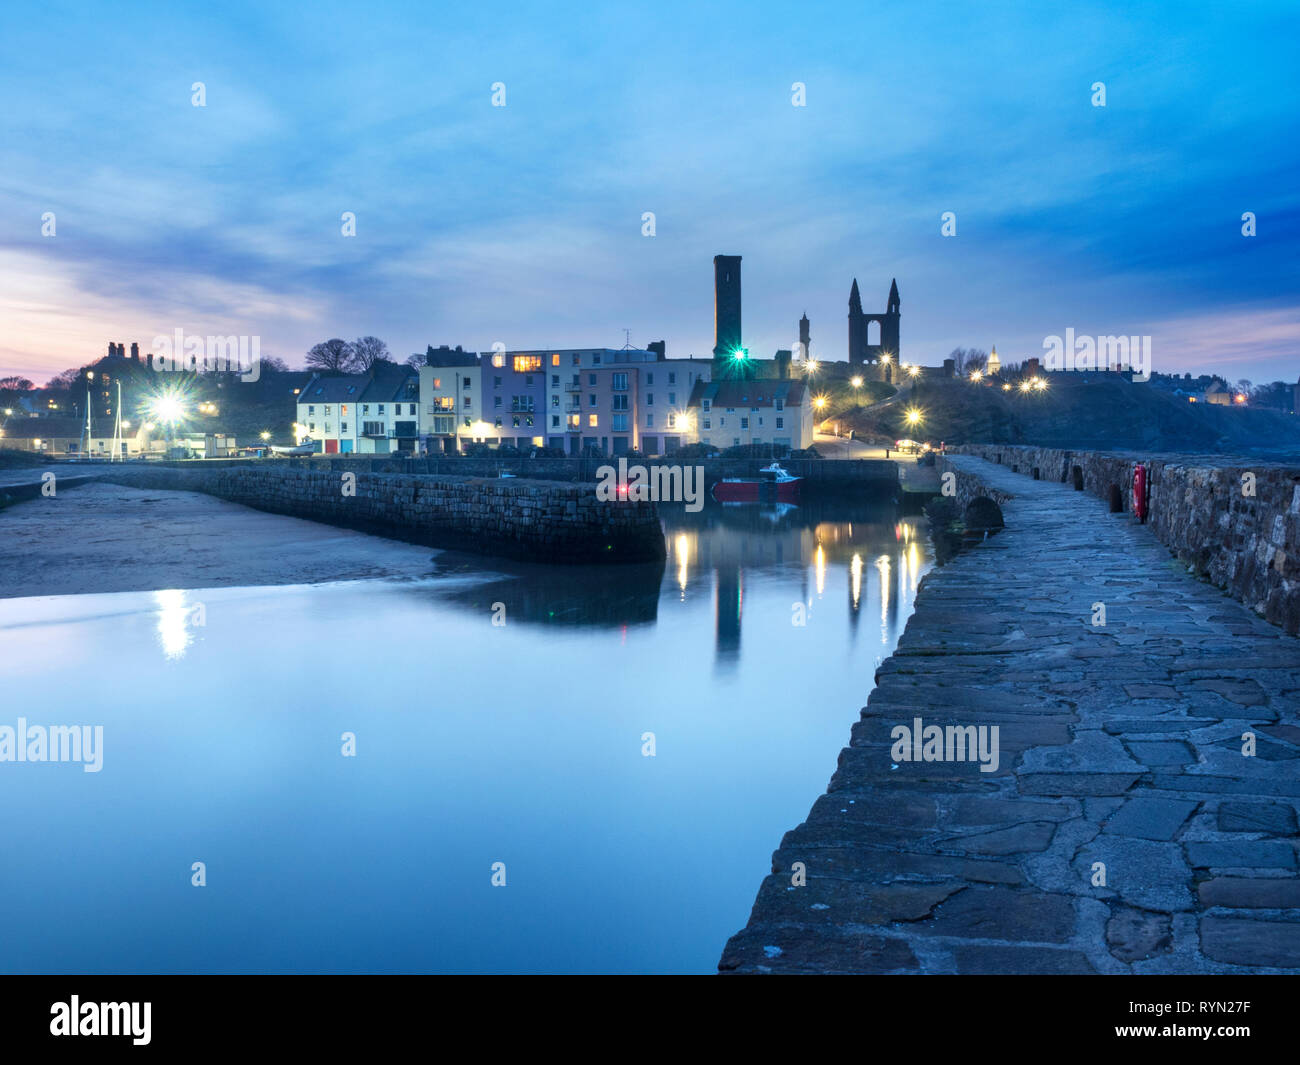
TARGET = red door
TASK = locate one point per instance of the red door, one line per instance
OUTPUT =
(331, 447)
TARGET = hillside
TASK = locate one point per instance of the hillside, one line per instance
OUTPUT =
(1077, 410)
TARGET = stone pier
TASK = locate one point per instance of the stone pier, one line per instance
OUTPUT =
(1142, 817)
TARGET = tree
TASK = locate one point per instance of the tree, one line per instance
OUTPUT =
(333, 355)
(368, 351)
(415, 361)
(13, 387)
(272, 364)
(966, 360)
(64, 381)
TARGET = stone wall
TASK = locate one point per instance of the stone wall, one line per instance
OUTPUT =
(534, 520)
(1233, 522)
(827, 473)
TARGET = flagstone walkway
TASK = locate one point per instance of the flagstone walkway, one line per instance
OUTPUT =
(1124, 831)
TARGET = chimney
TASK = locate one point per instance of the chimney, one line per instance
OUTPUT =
(659, 347)
(135, 351)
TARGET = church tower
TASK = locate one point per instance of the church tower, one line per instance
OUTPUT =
(805, 339)
(994, 364)
(857, 327)
(889, 326)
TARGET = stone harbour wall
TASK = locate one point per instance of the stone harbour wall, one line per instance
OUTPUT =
(1231, 521)
(538, 521)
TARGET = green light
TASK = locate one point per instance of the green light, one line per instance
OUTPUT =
(740, 353)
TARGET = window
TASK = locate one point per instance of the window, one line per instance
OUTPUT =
(649, 399)
(577, 359)
(498, 360)
(527, 363)
(620, 423)
(496, 382)
(620, 382)
(672, 377)
(575, 421)
(780, 404)
(365, 408)
(620, 402)
(467, 383)
(672, 421)
(372, 429)
(528, 380)
(672, 399)
(444, 402)
(555, 418)
(514, 422)
(437, 382)
(649, 378)
(381, 408)
(496, 402)
(343, 427)
(649, 421)
(555, 401)
(591, 379)
(411, 408)
(329, 410)
(595, 359)
(521, 403)
(555, 361)
(708, 404)
(311, 426)
(467, 403)
(780, 423)
(591, 400)
(555, 380)
(498, 423)
(708, 423)
(593, 420)
(311, 409)
(744, 422)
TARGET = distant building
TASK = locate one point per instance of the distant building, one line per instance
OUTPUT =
(994, 365)
(730, 413)
(375, 413)
(884, 353)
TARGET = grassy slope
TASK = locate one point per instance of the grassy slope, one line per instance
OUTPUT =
(1081, 410)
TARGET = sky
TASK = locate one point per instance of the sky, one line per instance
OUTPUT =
(523, 224)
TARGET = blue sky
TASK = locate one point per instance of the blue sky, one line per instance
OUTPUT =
(522, 224)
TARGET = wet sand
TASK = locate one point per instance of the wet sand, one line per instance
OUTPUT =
(110, 538)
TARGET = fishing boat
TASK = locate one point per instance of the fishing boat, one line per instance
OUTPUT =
(308, 447)
(772, 485)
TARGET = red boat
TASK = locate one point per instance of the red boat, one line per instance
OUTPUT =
(772, 485)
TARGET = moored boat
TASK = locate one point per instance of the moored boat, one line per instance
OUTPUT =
(772, 485)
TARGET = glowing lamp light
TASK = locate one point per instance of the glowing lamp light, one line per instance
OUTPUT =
(1239, 398)
(168, 409)
(1025, 386)
(912, 416)
(856, 382)
(812, 366)
(1006, 387)
(740, 354)
(975, 375)
(1039, 384)
(913, 370)
(266, 435)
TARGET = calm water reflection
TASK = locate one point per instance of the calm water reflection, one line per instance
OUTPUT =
(476, 743)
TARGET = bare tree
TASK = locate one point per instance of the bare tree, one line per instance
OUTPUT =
(335, 355)
(415, 361)
(368, 351)
(966, 360)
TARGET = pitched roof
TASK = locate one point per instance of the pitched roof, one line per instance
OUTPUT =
(757, 393)
(43, 428)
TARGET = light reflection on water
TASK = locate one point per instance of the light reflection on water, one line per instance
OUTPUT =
(223, 712)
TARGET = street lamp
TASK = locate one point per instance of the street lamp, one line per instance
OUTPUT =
(913, 370)
(975, 375)
(913, 416)
(266, 435)
(1025, 386)
(856, 382)
(811, 366)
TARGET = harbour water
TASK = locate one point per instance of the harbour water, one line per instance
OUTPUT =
(522, 742)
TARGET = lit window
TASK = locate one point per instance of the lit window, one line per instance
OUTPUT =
(526, 363)
(593, 420)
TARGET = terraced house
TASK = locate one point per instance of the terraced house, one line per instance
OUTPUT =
(375, 413)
